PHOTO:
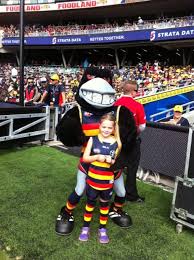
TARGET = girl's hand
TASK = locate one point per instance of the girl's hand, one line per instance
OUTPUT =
(113, 161)
(100, 158)
(108, 159)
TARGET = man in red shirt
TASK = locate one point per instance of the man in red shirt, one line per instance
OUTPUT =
(32, 93)
(130, 91)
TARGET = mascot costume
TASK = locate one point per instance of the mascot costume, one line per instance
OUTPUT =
(95, 97)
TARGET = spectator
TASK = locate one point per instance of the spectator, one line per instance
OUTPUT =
(54, 95)
(14, 73)
(70, 97)
(43, 84)
(32, 93)
(140, 21)
(178, 119)
(73, 29)
(13, 95)
(151, 78)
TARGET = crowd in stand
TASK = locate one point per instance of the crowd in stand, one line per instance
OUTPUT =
(76, 29)
(151, 79)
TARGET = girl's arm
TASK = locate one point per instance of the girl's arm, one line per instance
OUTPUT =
(87, 158)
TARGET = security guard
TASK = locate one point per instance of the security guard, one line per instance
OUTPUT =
(54, 94)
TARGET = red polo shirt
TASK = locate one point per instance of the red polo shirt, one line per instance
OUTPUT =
(135, 107)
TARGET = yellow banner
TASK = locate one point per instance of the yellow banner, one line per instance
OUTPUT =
(163, 95)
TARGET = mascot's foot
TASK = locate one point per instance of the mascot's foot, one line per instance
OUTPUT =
(64, 224)
(120, 218)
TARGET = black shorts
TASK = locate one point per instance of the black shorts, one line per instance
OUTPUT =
(93, 194)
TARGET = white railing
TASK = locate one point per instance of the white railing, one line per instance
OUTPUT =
(40, 120)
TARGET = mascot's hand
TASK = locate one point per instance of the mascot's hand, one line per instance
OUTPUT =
(69, 130)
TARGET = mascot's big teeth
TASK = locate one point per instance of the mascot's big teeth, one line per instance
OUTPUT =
(97, 98)
(112, 99)
(89, 95)
(106, 100)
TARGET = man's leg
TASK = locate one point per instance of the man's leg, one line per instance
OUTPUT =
(130, 184)
(65, 220)
(116, 213)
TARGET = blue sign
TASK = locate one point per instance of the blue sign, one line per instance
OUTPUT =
(172, 34)
(131, 36)
(82, 39)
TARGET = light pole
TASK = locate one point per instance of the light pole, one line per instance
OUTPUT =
(22, 52)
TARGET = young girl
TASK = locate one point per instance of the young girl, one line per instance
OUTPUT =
(100, 153)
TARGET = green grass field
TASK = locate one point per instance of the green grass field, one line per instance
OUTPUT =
(34, 183)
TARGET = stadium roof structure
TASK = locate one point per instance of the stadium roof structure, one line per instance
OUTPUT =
(170, 45)
(150, 8)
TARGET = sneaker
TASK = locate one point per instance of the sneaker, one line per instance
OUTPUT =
(64, 224)
(85, 232)
(102, 235)
(120, 218)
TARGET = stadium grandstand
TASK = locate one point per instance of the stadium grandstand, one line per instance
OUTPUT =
(150, 41)
(101, 20)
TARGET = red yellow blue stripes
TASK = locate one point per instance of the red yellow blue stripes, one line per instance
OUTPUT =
(100, 186)
(91, 132)
(87, 217)
(89, 208)
(90, 129)
(118, 205)
(101, 164)
(70, 206)
(100, 172)
(103, 220)
(104, 210)
(100, 177)
(90, 126)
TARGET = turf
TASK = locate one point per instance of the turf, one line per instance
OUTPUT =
(34, 183)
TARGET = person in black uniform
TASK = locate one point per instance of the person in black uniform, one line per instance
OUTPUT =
(54, 94)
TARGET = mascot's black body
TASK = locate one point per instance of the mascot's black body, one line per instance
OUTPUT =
(70, 131)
